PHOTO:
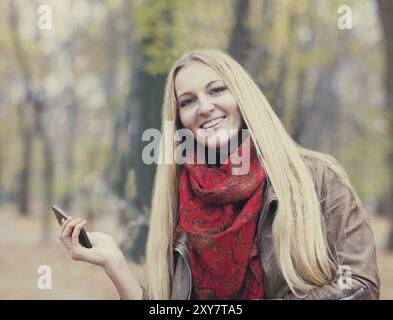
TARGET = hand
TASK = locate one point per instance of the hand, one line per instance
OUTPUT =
(104, 250)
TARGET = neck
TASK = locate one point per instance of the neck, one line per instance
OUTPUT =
(222, 156)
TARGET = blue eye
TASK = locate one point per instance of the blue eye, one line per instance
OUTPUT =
(217, 90)
(186, 102)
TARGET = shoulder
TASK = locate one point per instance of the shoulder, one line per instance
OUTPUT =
(327, 173)
(338, 199)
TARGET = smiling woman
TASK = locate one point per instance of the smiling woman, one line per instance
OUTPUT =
(289, 227)
(284, 230)
(205, 102)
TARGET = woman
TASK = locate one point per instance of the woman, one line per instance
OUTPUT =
(291, 227)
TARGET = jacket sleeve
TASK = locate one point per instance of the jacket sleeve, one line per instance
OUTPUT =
(351, 241)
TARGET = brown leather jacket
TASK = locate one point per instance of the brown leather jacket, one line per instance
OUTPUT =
(349, 236)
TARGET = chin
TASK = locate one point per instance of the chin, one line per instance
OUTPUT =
(217, 142)
(216, 146)
(219, 145)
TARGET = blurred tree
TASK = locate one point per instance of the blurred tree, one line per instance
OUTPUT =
(72, 108)
(32, 123)
(143, 105)
(105, 66)
(259, 57)
(25, 112)
(386, 13)
(239, 39)
(70, 140)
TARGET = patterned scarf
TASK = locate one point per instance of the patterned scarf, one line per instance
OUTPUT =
(219, 212)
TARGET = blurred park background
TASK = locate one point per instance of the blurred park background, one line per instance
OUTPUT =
(80, 81)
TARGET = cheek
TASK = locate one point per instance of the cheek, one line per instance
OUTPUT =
(187, 118)
(231, 107)
(236, 116)
(239, 119)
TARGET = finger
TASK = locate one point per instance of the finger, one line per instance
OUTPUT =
(64, 224)
(70, 226)
(76, 232)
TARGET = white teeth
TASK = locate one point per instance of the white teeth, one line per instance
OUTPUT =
(212, 123)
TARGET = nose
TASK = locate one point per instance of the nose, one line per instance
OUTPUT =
(206, 106)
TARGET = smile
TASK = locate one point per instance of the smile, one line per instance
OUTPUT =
(212, 123)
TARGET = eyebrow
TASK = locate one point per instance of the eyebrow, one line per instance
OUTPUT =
(184, 93)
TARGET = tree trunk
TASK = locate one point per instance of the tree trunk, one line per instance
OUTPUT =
(40, 103)
(240, 39)
(25, 171)
(24, 110)
(73, 111)
(386, 14)
(35, 103)
(142, 111)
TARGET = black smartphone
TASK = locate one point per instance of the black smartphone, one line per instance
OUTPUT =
(83, 238)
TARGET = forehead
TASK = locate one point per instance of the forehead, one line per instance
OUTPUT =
(194, 76)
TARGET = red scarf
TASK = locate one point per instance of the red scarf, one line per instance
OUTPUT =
(219, 212)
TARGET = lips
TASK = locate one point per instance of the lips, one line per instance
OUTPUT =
(212, 123)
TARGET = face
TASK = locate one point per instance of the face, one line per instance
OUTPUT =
(206, 107)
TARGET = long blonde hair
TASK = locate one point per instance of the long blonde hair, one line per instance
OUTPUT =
(300, 241)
